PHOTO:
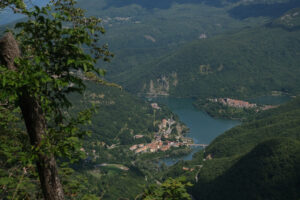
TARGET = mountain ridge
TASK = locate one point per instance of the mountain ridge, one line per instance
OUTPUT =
(261, 60)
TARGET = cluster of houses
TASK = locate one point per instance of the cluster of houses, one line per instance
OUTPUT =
(188, 169)
(241, 104)
(165, 130)
(155, 146)
(234, 103)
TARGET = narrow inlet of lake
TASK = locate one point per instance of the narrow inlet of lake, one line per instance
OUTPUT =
(203, 128)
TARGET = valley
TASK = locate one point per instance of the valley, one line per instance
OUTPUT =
(203, 92)
(232, 47)
(202, 52)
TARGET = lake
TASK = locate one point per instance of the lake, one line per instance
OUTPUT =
(203, 128)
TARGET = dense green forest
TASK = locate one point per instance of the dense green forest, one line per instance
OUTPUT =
(270, 170)
(279, 122)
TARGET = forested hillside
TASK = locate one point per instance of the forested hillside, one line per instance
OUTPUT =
(269, 171)
(251, 62)
(138, 34)
(119, 115)
(279, 122)
(242, 49)
(256, 160)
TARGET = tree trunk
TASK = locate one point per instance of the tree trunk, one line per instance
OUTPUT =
(35, 124)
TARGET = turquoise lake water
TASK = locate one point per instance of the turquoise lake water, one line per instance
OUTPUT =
(203, 128)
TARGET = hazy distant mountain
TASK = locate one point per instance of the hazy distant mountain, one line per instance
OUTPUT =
(253, 61)
(182, 46)
(165, 4)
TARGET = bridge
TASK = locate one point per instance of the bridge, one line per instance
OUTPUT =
(199, 145)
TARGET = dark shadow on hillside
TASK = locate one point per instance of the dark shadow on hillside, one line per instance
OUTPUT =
(162, 4)
(269, 171)
(262, 10)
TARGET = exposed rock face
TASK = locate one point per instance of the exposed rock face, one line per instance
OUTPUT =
(150, 38)
(174, 78)
(161, 86)
(205, 69)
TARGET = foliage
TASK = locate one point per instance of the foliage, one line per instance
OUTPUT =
(51, 53)
(18, 177)
(171, 189)
(112, 183)
(58, 44)
(19, 4)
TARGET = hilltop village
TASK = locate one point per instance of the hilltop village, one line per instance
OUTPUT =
(164, 139)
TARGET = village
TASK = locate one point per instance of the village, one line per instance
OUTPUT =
(241, 104)
(233, 103)
(162, 139)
